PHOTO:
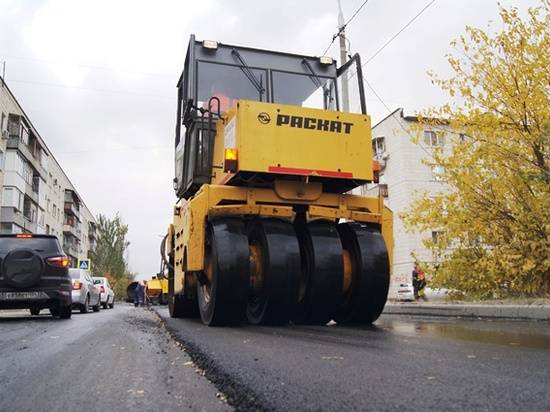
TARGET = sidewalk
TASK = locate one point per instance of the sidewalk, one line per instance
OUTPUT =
(533, 311)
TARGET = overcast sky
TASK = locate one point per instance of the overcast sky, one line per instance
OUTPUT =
(97, 79)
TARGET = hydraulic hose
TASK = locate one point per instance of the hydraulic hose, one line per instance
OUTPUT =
(163, 253)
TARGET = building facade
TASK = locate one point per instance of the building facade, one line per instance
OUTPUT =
(36, 195)
(406, 173)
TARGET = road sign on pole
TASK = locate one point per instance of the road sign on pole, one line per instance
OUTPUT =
(85, 264)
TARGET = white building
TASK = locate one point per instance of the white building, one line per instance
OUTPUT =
(405, 174)
(36, 196)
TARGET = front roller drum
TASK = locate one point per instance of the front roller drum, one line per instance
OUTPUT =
(367, 273)
(275, 272)
(223, 285)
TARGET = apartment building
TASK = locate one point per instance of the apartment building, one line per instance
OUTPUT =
(406, 173)
(36, 195)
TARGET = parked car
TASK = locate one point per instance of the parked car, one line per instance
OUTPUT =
(85, 293)
(405, 292)
(34, 274)
(107, 293)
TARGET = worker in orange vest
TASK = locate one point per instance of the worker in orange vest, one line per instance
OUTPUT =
(225, 101)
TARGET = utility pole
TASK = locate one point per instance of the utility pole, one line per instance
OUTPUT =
(343, 57)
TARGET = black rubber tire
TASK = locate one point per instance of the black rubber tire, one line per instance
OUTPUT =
(322, 272)
(112, 304)
(86, 306)
(181, 306)
(162, 299)
(105, 305)
(97, 307)
(65, 312)
(22, 268)
(222, 301)
(35, 311)
(274, 304)
(365, 299)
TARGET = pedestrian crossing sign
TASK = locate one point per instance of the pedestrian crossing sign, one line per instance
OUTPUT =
(85, 264)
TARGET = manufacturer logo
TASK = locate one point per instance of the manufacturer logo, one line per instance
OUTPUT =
(312, 123)
(264, 118)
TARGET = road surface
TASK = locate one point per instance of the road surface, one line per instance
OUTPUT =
(132, 359)
(402, 363)
(119, 359)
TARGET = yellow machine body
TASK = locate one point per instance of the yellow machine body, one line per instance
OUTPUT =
(293, 140)
(269, 148)
(156, 286)
(266, 227)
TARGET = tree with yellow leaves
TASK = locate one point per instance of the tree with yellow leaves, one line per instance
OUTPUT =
(495, 218)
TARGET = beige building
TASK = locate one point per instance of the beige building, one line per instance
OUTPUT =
(36, 195)
(406, 173)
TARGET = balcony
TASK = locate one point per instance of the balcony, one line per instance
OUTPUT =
(92, 231)
(70, 230)
(72, 210)
(15, 143)
(71, 249)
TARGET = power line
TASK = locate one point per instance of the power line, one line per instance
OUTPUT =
(90, 89)
(400, 31)
(394, 36)
(393, 115)
(119, 149)
(88, 66)
(341, 29)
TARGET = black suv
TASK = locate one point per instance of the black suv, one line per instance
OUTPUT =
(34, 274)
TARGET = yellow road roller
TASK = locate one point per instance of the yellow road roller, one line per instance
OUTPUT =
(268, 147)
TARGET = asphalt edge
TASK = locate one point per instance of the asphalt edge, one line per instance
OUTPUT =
(506, 312)
(238, 395)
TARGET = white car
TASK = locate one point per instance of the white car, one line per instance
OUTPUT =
(85, 294)
(107, 293)
(405, 292)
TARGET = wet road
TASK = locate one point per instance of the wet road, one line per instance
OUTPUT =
(403, 363)
(115, 360)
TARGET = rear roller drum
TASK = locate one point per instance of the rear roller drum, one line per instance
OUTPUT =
(182, 305)
(322, 272)
(275, 272)
(223, 285)
(366, 274)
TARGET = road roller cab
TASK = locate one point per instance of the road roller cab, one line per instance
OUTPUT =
(267, 147)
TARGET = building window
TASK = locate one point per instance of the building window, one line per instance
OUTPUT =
(378, 147)
(432, 138)
(438, 173)
(437, 236)
(2, 122)
(383, 188)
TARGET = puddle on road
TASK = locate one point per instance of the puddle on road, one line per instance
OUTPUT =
(494, 333)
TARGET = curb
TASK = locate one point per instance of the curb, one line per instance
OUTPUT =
(531, 312)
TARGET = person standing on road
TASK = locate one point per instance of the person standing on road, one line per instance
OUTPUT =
(138, 294)
(421, 276)
(145, 295)
(415, 280)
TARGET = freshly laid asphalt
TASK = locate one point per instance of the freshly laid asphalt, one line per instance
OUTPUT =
(402, 363)
(119, 359)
